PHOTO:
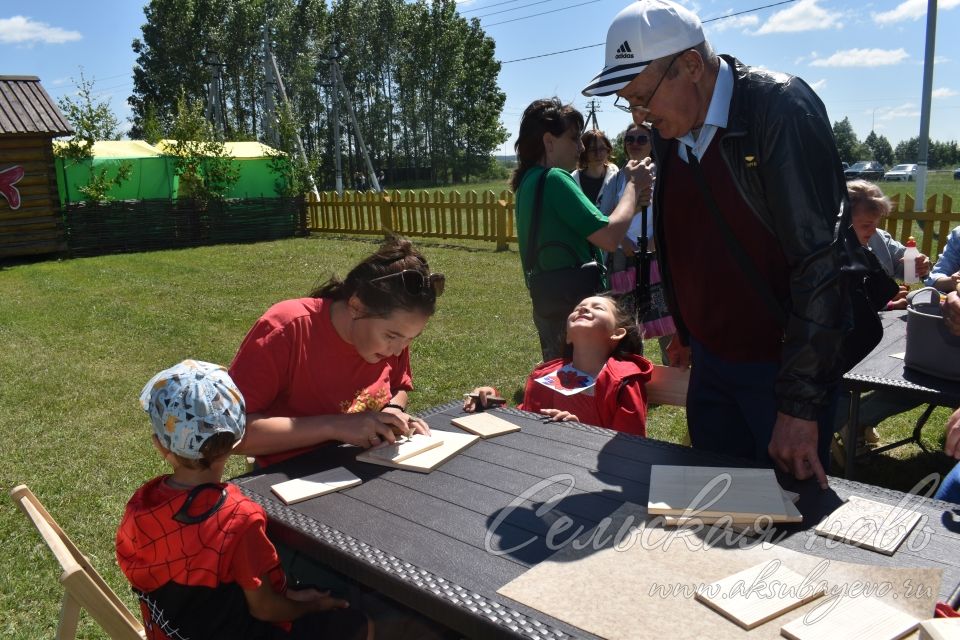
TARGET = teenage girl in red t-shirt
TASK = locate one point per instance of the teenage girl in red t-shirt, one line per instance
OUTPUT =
(335, 366)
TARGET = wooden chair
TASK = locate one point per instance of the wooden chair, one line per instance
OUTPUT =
(83, 586)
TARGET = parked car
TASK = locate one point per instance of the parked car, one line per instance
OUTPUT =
(956, 173)
(866, 169)
(901, 172)
(846, 165)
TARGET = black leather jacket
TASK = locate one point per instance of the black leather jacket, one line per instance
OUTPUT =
(780, 151)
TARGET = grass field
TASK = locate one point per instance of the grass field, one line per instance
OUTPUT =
(79, 338)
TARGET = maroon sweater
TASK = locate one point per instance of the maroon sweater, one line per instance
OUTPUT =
(716, 300)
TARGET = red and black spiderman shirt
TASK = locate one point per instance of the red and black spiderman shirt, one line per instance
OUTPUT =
(190, 577)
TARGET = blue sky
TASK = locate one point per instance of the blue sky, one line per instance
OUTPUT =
(864, 59)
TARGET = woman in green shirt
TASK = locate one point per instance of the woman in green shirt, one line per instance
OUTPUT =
(572, 231)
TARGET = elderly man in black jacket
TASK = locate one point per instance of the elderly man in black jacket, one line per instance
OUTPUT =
(749, 187)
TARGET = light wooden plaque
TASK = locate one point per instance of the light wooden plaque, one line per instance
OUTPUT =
(427, 461)
(404, 448)
(872, 525)
(758, 594)
(485, 425)
(317, 484)
(853, 618)
(940, 629)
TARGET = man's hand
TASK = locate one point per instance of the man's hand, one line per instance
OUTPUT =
(793, 448)
(923, 266)
(948, 283)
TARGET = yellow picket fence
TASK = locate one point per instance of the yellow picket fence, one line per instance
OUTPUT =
(489, 217)
(930, 227)
(425, 214)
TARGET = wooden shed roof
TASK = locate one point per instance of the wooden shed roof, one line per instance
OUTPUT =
(25, 108)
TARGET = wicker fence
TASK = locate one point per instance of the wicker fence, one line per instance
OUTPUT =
(145, 225)
(470, 216)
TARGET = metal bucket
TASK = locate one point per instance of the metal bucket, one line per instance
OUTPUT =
(931, 348)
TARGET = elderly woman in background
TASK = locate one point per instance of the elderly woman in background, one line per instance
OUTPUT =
(595, 171)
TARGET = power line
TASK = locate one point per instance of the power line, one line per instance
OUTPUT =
(523, 6)
(542, 13)
(489, 6)
(600, 44)
(554, 53)
(739, 13)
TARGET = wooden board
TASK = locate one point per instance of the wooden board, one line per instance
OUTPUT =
(318, 484)
(741, 493)
(668, 385)
(734, 597)
(453, 443)
(404, 448)
(850, 618)
(940, 629)
(485, 425)
(744, 523)
(872, 525)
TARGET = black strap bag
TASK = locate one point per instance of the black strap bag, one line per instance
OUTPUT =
(864, 286)
(555, 293)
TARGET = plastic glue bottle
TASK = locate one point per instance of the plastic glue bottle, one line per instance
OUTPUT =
(910, 262)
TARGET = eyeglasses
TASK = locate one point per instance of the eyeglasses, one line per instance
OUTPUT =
(640, 139)
(415, 283)
(644, 109)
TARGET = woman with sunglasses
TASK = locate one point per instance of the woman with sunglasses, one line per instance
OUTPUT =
(594, 169)
(571, 230)
(335, 366)
(621, 263)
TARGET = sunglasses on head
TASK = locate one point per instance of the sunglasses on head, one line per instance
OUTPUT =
(415, 283)
(638, 139)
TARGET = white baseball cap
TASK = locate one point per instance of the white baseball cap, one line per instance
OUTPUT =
(643, 32)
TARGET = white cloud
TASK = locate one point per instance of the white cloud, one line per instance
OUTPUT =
(862, 58)
(21, 30)
(911, 10)
(805, 15)
(886, 114)
(940, 59)
(944, 92)
(819, 84)
(736, 22)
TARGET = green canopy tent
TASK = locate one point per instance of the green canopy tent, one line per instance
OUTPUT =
(151, 177)
(257, 179)
(152, 172)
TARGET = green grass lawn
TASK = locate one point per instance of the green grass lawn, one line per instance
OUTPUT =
(79, 338)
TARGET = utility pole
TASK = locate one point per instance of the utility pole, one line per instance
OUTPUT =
(336, 121)
(920, 194)
(296, 134)
(338, 81)
(269, 105)
(593, 106)
(214, 110)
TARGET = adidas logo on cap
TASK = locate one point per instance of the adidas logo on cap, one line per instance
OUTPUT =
(623, 51)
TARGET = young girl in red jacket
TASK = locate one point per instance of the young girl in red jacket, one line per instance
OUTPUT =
(600, 380)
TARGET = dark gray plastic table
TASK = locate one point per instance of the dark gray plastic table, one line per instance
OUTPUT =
(881, 372)
(422, 539)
